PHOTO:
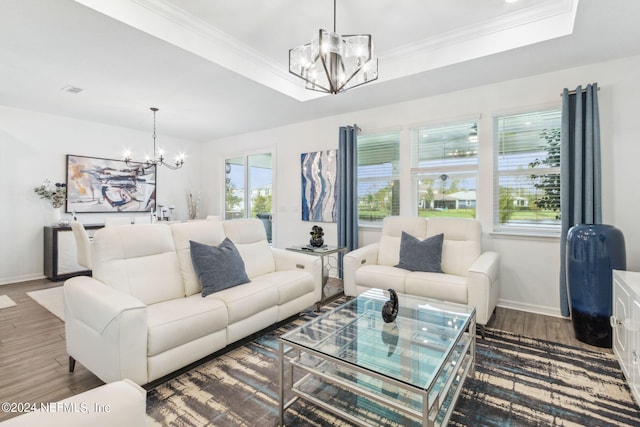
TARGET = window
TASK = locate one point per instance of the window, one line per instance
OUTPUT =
(444, 169)
(527, 189)
(248, 188)
(378, 177)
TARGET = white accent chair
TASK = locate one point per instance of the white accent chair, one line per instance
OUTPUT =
(470, 276)
(142, 315)
(83, 244)
(120, 403)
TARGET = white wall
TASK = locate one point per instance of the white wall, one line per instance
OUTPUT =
(529, 266)
(33, 147)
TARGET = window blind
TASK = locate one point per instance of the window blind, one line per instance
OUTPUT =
(444, 169)
(527, 172)
(378, 177)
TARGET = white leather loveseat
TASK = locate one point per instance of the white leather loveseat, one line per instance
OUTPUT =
(142, 314)
(469, 276)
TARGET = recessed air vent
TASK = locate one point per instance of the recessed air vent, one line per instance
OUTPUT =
(72, 89)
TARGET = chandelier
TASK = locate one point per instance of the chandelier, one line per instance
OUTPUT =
(156, 160)
(333, 63)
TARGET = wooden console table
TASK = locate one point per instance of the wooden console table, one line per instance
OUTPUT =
(60, 252)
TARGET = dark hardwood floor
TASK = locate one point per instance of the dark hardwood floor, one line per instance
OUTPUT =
(33, 357)
(34, 362)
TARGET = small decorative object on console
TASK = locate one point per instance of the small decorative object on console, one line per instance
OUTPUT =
(390, 308)
(193, 204)
(56, 194)
(316, 237)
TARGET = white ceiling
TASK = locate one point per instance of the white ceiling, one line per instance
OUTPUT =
(217, 68)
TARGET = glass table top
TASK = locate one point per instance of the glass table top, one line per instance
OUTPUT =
(413, 349)
(326, 249)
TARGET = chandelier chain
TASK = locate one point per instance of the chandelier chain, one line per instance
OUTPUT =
(334, 16)
(154, 130)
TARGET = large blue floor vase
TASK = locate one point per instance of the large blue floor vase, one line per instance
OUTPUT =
(593, 251)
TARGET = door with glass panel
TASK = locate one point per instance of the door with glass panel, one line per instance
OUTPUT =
(248, 189)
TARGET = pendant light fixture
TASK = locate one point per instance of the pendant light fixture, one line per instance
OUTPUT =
(157, 159)
(333, 63)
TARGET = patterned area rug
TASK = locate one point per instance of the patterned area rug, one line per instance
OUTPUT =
(519, 382)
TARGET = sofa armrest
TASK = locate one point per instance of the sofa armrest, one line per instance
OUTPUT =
(289, 260)
(106, 330)
(483, 285)
(366, 255)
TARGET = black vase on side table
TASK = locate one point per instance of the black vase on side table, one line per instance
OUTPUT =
(316, 240)
(593, 252)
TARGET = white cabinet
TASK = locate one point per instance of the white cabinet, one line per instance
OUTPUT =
(625, 322)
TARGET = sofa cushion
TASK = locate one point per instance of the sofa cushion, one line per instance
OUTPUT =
(176, 322)
(250, 238)
(462, 242)
(257, 257)
(421, 255)
(446, 287)
(244, 301)
(207, 232)
(389, 251)
(218, 267)
(290, 284)
(381, 276)
(139, 260)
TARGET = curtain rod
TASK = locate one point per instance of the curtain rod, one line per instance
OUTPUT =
(573, 92)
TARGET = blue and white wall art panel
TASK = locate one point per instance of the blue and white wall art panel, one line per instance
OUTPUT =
(319, 185)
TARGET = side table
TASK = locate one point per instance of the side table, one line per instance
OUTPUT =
(322, 252)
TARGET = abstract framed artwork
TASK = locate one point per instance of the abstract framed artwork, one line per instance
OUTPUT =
(107, 185)
(319, 186)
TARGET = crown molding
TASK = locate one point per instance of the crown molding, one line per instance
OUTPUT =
(168, 22)
(546, 21)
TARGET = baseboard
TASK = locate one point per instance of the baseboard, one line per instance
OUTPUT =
(530, 308)
(18, 279)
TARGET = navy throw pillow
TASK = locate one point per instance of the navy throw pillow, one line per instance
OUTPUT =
(217, 267)
(421, 255)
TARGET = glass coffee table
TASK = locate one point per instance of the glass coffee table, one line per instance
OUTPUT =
(353, 364)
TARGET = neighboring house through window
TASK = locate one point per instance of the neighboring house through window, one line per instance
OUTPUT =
(445, 168)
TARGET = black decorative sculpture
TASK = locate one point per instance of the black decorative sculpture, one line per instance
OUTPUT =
(316, 237)
(390, 308)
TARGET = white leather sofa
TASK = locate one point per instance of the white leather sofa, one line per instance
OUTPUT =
(469, 276)
(120, 403)
(142, 315)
